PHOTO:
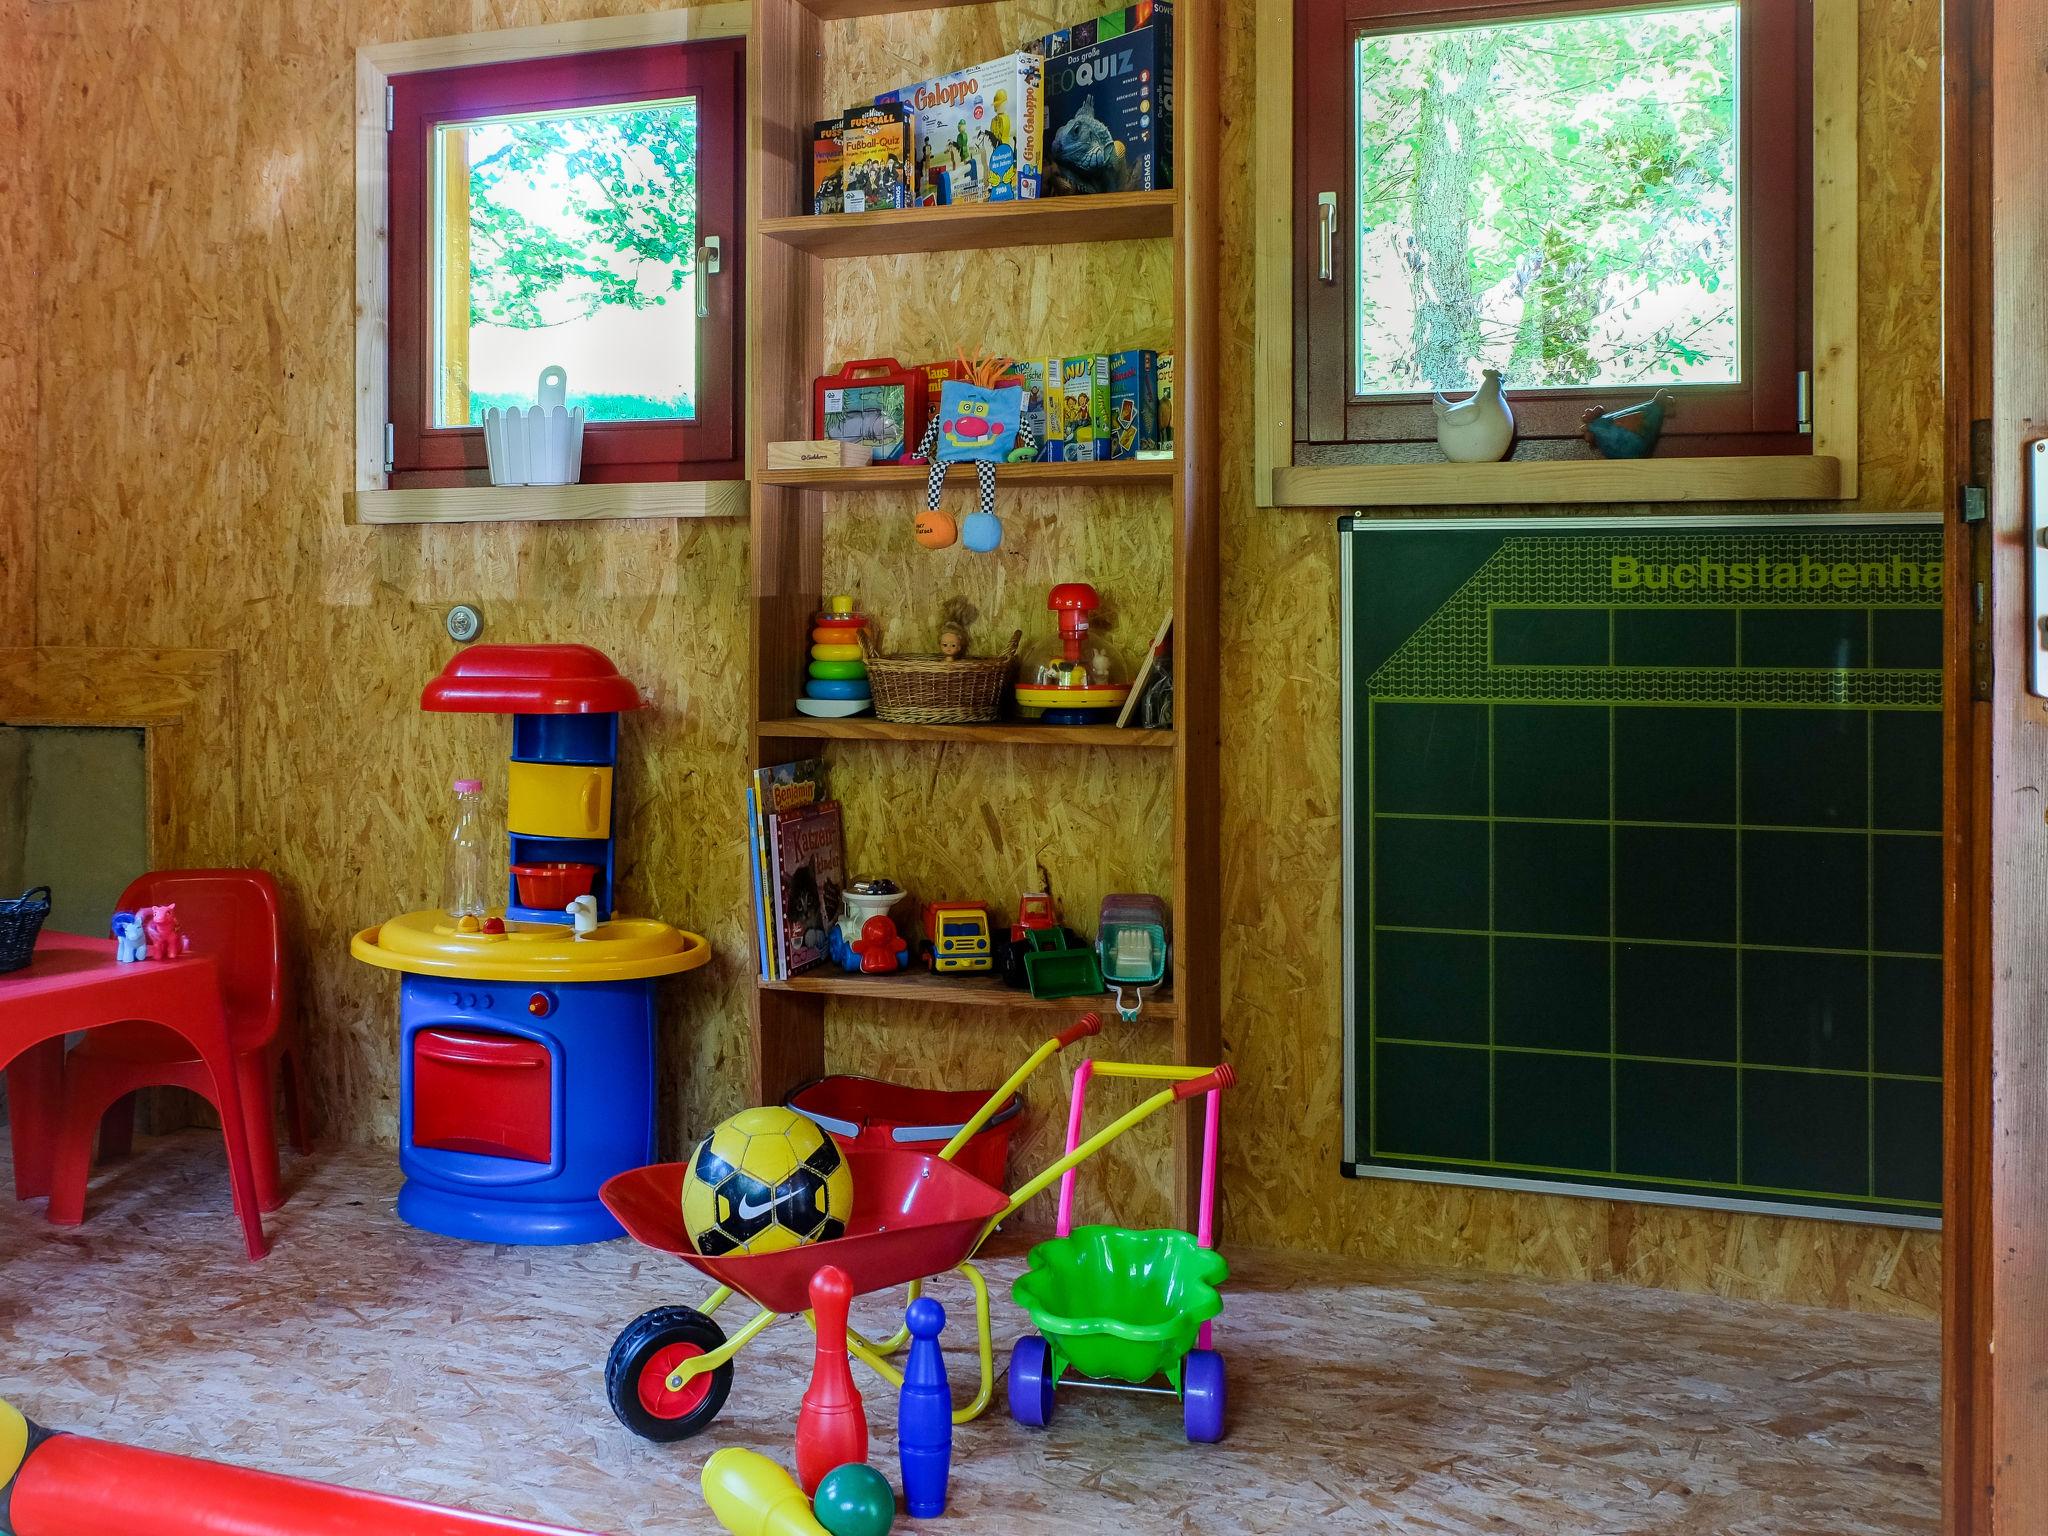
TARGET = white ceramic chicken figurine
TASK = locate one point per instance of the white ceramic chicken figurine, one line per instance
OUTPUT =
(1477, 429)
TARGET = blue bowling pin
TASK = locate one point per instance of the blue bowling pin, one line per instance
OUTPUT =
(924, 1414)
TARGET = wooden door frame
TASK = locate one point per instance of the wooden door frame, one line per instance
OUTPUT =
(1995, 1258)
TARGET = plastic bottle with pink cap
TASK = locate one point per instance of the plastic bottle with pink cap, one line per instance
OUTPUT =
(465, 882)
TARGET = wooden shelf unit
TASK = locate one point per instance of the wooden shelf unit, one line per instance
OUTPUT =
(977, 226)
(786, 251)
(918, 986)
(911, 477)
(1005, 733)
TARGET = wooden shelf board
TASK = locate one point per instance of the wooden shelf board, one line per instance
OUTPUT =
(549, 503)
(1011, 733)
(847, 10)
(1532, 482)
(907, 477)
(917, 986)
(977, 226)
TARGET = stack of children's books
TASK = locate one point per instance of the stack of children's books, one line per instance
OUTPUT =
(797, 843)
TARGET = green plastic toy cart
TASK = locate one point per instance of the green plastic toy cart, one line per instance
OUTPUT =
(1118, 1307)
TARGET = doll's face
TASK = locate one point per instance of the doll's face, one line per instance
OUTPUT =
(952, 644)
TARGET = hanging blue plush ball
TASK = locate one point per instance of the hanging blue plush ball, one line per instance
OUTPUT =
(981, 532)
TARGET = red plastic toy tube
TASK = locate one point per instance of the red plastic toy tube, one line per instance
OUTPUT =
(69, 1485)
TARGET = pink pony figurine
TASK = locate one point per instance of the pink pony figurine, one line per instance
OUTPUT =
(161, 939)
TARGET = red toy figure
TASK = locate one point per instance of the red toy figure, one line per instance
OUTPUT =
(881, 948)
(161, 938)
(832, 1426)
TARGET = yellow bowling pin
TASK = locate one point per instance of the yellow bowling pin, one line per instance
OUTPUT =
(752, 1496)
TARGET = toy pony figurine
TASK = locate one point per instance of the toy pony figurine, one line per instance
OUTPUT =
(127, 930)
(161, 937)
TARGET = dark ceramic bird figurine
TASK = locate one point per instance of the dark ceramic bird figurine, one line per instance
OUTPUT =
(1632, 431)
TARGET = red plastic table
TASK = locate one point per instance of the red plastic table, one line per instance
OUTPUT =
(74, 983)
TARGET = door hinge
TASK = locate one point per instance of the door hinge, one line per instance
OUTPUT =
(390, 446)
(390, 107)
(1974, 508)
(1805, 401)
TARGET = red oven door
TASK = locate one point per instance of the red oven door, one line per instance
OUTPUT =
(477, 1091)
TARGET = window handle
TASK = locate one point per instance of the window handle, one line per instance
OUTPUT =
(707, 266)
(1326, 234)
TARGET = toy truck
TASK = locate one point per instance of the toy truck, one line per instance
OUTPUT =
(958, 938)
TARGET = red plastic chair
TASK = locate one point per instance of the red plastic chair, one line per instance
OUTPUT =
(235, 916)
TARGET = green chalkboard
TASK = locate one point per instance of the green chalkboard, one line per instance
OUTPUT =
(1643, 859)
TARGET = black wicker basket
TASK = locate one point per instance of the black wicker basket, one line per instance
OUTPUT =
(20, 921)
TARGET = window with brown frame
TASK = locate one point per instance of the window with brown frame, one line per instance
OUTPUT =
(585, 211)
(1598, 202)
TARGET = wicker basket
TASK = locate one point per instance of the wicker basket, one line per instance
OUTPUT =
(20, 921)
(930, 690)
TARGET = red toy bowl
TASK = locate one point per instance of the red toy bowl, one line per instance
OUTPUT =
(913, 1217)
(553, 886)
(859, 1111)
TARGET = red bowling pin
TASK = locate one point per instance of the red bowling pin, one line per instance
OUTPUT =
(831, 1427)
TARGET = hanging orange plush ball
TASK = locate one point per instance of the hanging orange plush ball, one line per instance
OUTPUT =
(936, 530)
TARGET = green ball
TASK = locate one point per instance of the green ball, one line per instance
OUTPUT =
(855, 1500)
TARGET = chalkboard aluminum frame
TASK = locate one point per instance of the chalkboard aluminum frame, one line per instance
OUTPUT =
(1355, 1164)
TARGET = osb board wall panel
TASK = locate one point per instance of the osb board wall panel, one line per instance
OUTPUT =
(197, 291)
(1282, 788)
(17, 326)
(196, 282)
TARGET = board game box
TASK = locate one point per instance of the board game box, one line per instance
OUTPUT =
(1084, 408)
(1133, 403)
(1109, 103)
(874, 151)
(1165, 448)
(827, 185)
(978, 133)
(875, 402)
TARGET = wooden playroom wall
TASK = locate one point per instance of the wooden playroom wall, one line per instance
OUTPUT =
(17, 328)
(196, 373)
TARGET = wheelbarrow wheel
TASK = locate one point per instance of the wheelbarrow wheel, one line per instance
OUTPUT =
(1031, 1384)
(1203, 1395)
(636, 1374)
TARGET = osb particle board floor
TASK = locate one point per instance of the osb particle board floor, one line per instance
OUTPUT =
(363, 1352)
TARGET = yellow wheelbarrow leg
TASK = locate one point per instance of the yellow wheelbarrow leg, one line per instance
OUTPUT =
(715, 1300)
(875, 1357)
(697, 1365)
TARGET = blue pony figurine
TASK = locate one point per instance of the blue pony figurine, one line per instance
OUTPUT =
(127, 929)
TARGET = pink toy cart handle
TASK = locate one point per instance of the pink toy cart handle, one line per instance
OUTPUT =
(1188, 1082)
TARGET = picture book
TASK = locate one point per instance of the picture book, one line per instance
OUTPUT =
(1084, 408)
(1133, 403)
(978, 134)
(810, 877)
(827, 183)
(875, 157)
(1109, 106)
(772, 791)
(1155, 658)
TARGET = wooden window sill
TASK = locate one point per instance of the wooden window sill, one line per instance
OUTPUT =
(1560, 482)
(549, 503)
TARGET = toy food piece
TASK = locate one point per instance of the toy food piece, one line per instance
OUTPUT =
(765, 1180)
(856, 1500)
(831, 1426)
(1071, 680)
(924, 1414)
(838, 675)
(751, 1496)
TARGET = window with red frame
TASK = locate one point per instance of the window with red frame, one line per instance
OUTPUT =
(1599, 202)
(584, 211)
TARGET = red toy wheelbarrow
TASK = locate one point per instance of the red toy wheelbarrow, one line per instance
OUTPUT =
(915, 1215)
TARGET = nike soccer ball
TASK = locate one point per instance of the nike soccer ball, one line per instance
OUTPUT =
(765, 1180)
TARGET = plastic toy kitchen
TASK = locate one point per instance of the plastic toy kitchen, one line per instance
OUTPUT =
(526, 1038)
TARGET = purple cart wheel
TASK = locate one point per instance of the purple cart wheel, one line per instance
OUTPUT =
(1031, 1382)
(1203, 1395)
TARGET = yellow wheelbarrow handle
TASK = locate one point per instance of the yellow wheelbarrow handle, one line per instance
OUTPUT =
(1088, 1024)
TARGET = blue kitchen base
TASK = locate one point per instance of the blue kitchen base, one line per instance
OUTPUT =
(529, 1223)
(517, 1101)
